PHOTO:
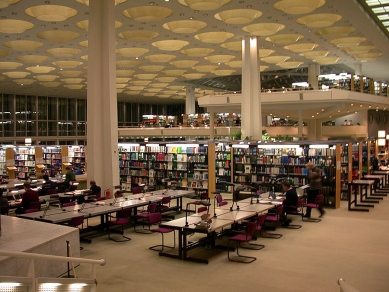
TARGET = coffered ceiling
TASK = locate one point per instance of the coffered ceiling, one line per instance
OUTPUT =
(57, 43)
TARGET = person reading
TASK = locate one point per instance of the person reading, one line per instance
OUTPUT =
(47, 185)
(289, 202)
(70, 176)
(96, 190)
(28, 197)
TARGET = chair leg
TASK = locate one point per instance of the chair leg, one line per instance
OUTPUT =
(309, 219)
(154, 247)
(144, 231)
(117, 240)
(243, 261)
(250, 245)
(270, 235)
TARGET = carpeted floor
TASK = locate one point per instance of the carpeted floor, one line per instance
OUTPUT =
(351, 245)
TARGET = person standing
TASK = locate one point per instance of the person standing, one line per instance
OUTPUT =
(28, 197)
(289, 202)
(315, 186)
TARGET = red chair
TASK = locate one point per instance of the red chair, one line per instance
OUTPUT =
(219, 200)
(165, 205)
(202, 209)
(156, 218)
(244, 238)
(34, 205)
(136, 190)
(64, 200)
(151, 208)
(69, 204)
(314, 205)
(260, 223)
(274, 218)
(122, 217)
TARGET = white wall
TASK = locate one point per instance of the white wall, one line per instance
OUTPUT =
(360, 117)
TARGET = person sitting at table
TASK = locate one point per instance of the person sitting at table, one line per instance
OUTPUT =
(70, 176)
(79, 171)
(96, 190)
(28, 197)
(289, 202)
(50, 185)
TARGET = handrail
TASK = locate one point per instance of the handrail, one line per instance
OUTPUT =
(344, 287)
(51, 257)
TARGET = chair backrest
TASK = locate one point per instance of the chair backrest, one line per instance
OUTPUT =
(219, 200)
(299, 204)
(151, 208)
(77, 221)
(30, 211)
(98, 195)
(34, 205)
(261, 219)
(319, 199)
(124, 214)
(202, 209)
(51, 191)
(154, 218)
(136, 190)
(280, 209)
(69, 204)
(101, 198)
(251, 228)
(166, 200)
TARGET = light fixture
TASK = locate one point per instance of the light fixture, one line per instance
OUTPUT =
(46, 78)
(122, 79)
(147, 13)
(358, 49)
(364, 57)
(315, 54)
(319, 20)
(159, 85)
(4, 53)
(289, 65)
(224, 72)
(58, 36)
(204, 4)
(381, 134)
(176, 87)
(265, 52)
(70, 73)
(197, 52)
(263, 29)
(219, 58)
(184, 63)
(348, 41)
(136, 88)
(319, 146)
(298, 6)
(335, 32)
(174, 72)
(233, 46)
(16, 74)
(238, 16)
(153, 90)
(141, 82)
(284, 39)
(24, 81)
(160, 58)
(170, 92)
(152, 68)
(6, 3)
(131, 52)
(74, 86)
(67, 64)
(163, 95)
(146, 76)
(84, 24)
(50, 84)
(263, 68)
(132, 92)
(127, 63)
(205, 68)
(23, 45)
(14, 26)
(166, 79)
(85, 57)
(301, 47)
(235, 64)
(148, 94)
(63, 52)
(51, 13)
(40, 69)
(73, 80)
(10, 65)
(138, 35)
(32, 59)
(170, 45)
(119, 90)
(86, 2)
(327, 61)
(213, 37)
(275, 59)
(120, 86)
(381, 142)
(124, 73)
(185, 26)
(83, 44)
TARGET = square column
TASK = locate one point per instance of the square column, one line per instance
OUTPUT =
(251, 110)
(313, 75)
(103, 162)
(190, 101)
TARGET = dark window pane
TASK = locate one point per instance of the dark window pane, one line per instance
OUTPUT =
(31, 128)
(52, 108)
(71, 129)
(81, 110)
(81, 129)
(20, 128)
(8, 128)
(121, 112)
(62, 129)
(31, 107)
(62, 109)
(52, 128)
(20, 111)
(42, 128)
(134, 118)
(42, 108)
(72, 109)
(154, 109)
(8, 106)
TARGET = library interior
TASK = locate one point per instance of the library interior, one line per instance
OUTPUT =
(190, 136)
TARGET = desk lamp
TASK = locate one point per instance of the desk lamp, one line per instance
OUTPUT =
(257, 192)
(45, 211)
(216, 193)
(83, 204)
(186, 211)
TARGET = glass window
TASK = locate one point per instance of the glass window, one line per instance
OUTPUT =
(20, 112)
(121, 112)
(42, 128)
(72, 109)
(81, 110)
(52, 108)
(62, 109)
(134, 118)
(52, 128)
(8, 106)
(62, 129)
(71, 129)
(81, 129)
(8, 128)
(31, 107)
(154, 109)
(42, 108)
(20, 128)
(31, 128)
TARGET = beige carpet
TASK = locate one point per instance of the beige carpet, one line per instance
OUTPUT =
(352, 245)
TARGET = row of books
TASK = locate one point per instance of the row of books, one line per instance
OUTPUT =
(25, 163)
(189, 150)
(134, 172)
(223, 164)
(223, 156)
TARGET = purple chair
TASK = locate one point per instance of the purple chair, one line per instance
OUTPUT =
(34, 205)
(296, 210)
(69, 204)
(64, 200)
(151, 208)
(136, 190)
(156, 218)
(276, 219)
(244, 238)
(30, 211)
(202, 209)
(165, 205)
(219, 200)
(260, 224)
(123, 217)
(314, 205)
(76, 222)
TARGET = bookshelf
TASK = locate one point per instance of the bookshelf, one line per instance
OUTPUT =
(52, 158)
(76, 156)
(24, 162)
(2, 161)
(223, 166)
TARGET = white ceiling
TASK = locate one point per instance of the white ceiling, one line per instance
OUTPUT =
(351, 12)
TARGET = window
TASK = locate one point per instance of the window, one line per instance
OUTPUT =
(81, 110)
(72, 109)
(62, 109)
(52, 108)
(42, 107)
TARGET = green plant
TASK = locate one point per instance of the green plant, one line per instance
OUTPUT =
(236, 135)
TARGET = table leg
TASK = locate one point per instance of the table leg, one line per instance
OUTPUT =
(179, 254)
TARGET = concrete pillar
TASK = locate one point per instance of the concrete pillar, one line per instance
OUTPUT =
(358, 69)
(311, 125)
(212, 125)
(103, 163)
(251, 118)
(190, 101)
(313, 75)
(300, 124)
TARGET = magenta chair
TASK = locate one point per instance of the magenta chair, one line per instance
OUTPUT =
(69, 204)
(123, 217)
(165, 205)
(276, 219)
(64, 200)
(136, 190)
(151, 208)
(76, 222)
(219, 200)
(156, 218)
(202, 209)
(260, 224)
(296, 210)
(34, 205)
(244, 238)
(314, 205)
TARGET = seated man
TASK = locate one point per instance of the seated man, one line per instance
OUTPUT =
(70, 176)
(28, 197)
(50, 185)
(96, 190)
(289, 202)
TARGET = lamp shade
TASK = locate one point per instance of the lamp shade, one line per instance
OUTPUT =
(219, 58)
(14, 26)
(185, 26)
(147, 13)
(358, 49)
(141, 82)
(315, 54)
(84, 24)
(159, 85)
(184, 63)
(206, 68)
(6, 3)
(275, 59)
(204, 4)
(301, 47)
(16, 74)
(70, 73)
(335, 31)
(163, 95)
(50, 84)
(166, 79)
(174, 72)
(122, 79)
(263, 68)
(152, 68)
(364, 57)
(193, 75)
(132, 92)
(24, 81)
(348, 41)
(73, 80)
(127, 63)
(290, 65)
(233, 46)
(197, 52)
(238, 16)
(22, 45)
(146, 76)
(86, 2)
(136, 87)
(119, 90)
(263, 29)
(10, 65)
(40, 69)
(131, 52)
(120, 86)
(176, 87)
(319, 20)
(170, 45)
(32, 59)
(284, 39)
(51, 13)
(160, 58)
(58, 36)
(138, 35)
(149, 94)
(5, 53)
(124, 73)
(45, 77)
(235, 64)
(85, 57)
(154, 90)
(74, 86)
(83, 44)
(170, 92)
(224, 72)
(213, 37)
(265, 52)
(298, 6)
(327, 61)
(67, 64)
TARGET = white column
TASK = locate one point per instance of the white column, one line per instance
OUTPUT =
(358, 69)
(103, 162)
(313, 75)
(251, 111)
(212, 125)
(300, 124)
(190, 101)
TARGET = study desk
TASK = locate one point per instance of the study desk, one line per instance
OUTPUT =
(362, 187)
(386, 173)
(379, 186)
(258, 208)
(14, 183)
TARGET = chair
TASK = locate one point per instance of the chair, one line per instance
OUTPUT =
(136, 190)
(54, 199)
(122, 217)
(203, 196)
(30, 211)
(151, 208)
(34, 205)
(219, 200)
(260, 224)
(51, 191)
(202, 209)
(274, 218)
(298, 210)
(165, 205)
(69, 204)
(156, 218)
(98, 196)
(244, 238)
(64, 200)
(77, 221)
(314, 205)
